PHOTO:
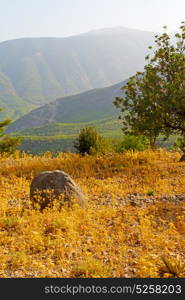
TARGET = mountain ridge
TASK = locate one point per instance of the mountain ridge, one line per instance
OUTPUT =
(40, 70)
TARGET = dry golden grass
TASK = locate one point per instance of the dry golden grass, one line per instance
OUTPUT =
(110, 237)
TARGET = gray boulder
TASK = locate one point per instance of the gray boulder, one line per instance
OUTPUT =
(50, 185)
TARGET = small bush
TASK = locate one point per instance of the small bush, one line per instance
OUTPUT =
(132, 142)
(91, 142)
(150, 193)
(180, 144)
(9, 144)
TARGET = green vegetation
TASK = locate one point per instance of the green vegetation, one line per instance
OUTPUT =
(132, 142)
(40, 145)
(90, 141)
(151, 103)
(180, 143)
(109, 127)
(13, 105)
(56, 137)
(154, 100)
(8, 144)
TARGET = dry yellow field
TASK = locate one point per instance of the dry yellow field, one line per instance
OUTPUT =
(132, 226)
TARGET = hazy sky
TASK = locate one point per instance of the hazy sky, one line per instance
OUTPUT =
(33, 18)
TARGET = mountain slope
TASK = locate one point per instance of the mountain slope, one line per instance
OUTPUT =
(39, 70)
(109, 127)
(13, 105)
(96, 104)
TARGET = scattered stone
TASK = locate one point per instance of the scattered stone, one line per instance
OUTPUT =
(142, 200)
(50, 185)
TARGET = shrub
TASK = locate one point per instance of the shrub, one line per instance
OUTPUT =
(9, 144)
(91, 142)
(132, 142)
(180, 144)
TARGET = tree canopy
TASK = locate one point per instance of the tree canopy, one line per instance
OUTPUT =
(154, 100)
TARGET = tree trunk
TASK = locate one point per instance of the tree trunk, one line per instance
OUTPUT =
(153, 143)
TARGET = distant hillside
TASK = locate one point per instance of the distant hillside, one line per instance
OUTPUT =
(36, 71)
(13, 105)
(57, 137)
(92, 105)
(109, 127)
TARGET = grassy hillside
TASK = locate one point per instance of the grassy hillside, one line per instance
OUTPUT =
(39, 145)
(13, 105)
(93, 105)
(39, 70)
(56, 137)
(134, 201)
(109, 127)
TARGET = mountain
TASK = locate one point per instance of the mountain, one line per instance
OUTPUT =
(36, 71)
(13, 105)
(96, 104)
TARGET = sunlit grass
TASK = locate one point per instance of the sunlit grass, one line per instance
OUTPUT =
(107, 238)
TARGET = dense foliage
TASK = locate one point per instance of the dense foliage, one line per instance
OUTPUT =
(132, 142)
(154, 100)
(90, 141)
(8, 144)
